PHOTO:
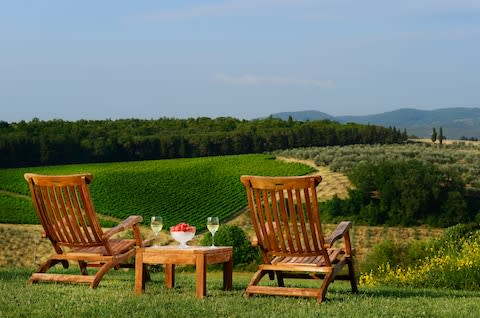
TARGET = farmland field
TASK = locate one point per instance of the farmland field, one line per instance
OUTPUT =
(186, 190)
(455, 157)
(25, 239)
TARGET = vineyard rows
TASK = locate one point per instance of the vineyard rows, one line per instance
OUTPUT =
(185, 190)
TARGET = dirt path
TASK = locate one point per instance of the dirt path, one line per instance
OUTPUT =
(13, 194)
(333, 183)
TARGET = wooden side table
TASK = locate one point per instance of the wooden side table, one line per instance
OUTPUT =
(200, 256)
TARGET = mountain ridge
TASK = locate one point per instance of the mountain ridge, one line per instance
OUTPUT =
(456, 122)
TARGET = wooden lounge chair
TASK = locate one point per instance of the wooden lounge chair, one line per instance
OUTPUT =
(66, 211)
(285, 216)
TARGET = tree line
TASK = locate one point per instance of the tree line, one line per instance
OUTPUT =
(52, 142)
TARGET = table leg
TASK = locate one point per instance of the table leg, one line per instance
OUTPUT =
(201, 276)
(139, 272)
(170, 275)
(227, 274)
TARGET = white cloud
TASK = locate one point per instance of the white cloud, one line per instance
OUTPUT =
(254, 80)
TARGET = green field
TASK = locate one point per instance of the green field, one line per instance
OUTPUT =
(186, 190)
(115, 297)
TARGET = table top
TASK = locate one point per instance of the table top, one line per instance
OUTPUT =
(187, 250)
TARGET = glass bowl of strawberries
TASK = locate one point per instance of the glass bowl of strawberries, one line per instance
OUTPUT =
(182, 233)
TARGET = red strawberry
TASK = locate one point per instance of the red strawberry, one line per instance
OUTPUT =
(182, 227)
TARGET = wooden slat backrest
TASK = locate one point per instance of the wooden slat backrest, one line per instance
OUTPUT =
(65, 209)
(285, 216)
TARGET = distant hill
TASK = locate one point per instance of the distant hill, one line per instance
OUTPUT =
(455, 122)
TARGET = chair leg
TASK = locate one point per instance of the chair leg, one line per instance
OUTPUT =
(146, 273)
(114, 263)
(351, 273)
(50, 263)
(46, 266)
(271, 275)
(256, 279)
(102, 271)
(280, 281)
(83, 267)
(323, 290)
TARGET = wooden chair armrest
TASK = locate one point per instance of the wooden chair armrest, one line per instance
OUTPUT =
(124, 225)
(339, 232)
(148, 242)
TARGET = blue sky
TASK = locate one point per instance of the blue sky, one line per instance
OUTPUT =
(240, 58)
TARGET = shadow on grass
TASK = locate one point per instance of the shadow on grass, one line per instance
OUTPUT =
(15, 274)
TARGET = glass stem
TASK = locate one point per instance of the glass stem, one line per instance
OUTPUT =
(213, 236)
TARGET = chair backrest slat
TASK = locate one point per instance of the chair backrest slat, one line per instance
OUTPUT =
(268, 222)
(313, 230)
(78, 212)
(286, 221)
(65, 209)
(294, 222)
(261, 228)
(75, 220)
(301, 215)
(285, 216)
(56, 216)
(67, 228)
(50, 225)
(278, 219)
(90, 214)
(65, 215)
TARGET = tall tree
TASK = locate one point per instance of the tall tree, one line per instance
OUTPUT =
(434, 135)
(440, 136)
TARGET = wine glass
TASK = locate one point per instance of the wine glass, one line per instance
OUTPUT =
(156, 223)
(212, 226)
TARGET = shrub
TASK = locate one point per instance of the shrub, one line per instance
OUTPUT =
(457, 233)
(453, 262)
(233, 235)
(395, 254)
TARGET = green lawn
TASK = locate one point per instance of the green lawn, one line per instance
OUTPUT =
(115, 298)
